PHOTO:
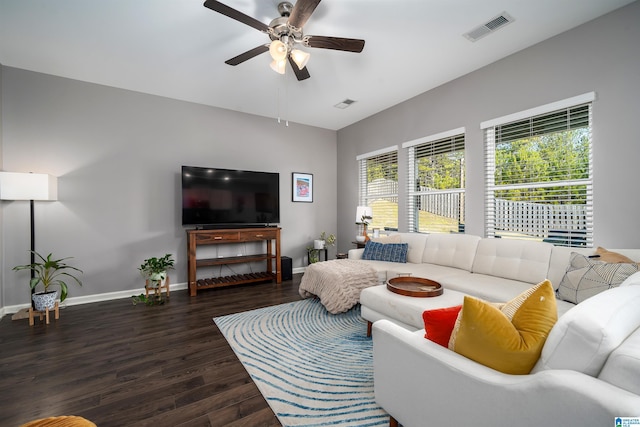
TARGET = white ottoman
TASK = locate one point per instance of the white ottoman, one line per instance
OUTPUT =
(377, 302)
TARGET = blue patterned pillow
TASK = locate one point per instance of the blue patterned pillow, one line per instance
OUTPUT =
(393, 252)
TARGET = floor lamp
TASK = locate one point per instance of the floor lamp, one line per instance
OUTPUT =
(31, 187)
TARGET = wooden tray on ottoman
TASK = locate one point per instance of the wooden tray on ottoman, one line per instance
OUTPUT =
(414, 286)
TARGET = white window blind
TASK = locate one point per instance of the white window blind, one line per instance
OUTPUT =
(378, 186)
(436, 184)
(539, 181)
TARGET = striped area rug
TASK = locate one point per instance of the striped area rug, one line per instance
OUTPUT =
(313, 368)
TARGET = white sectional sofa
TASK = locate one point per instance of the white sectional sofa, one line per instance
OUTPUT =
(589, 370)
(496, 270)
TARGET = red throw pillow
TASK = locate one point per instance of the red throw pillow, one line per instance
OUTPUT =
(439, 324)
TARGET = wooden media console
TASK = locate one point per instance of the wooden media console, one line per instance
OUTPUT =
(195, 238)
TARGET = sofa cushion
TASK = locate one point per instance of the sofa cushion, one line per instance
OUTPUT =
(451, 250)
(416, 242)
(586, 277)
(393, 252)
(584, 336)
(622, 368)
(490, 288)
(439, 273)
(522, 260)
(439, 323)
(508, 339)
(634, 279)
(391, 238)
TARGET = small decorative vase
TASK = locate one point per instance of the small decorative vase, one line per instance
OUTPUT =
(318, 244)
(360, 238)
(44, 300)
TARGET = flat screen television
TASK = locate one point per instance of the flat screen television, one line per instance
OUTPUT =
(213, 197)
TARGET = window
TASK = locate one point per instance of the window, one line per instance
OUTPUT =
(436, 182)
(378, 185)
(539, 174)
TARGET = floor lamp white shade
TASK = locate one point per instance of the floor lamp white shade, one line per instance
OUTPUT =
(28, 186)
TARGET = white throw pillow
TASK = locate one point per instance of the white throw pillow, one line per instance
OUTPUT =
(586, 277)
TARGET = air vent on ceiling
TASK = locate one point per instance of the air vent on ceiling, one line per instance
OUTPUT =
(344, 104)
(491, 26)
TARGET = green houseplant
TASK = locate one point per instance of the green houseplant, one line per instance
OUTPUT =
(155, 269)
(320, 244)
(49, 272)
(329, 239)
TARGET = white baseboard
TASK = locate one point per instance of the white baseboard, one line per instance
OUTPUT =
(91, 298)
(104, 297)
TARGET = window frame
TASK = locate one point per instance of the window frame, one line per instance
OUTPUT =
(558, 235)
(365, 196)
(413, 147)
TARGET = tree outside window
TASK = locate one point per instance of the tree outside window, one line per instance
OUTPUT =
(540, 178)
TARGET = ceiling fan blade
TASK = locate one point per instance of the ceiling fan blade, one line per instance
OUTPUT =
(237, 15)
(300, 74)
(335, 43)
(247, 55)
(301, 12)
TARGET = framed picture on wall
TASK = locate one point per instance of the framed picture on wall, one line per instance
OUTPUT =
(302, 187)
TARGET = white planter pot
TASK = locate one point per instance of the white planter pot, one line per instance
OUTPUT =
(44, 300)
(157, 279)
(360, 238)
(318, 244)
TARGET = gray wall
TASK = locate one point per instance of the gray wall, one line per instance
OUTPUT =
(601, 56)
(117, 155)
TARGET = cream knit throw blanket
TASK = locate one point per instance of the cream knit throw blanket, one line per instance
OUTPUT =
(337, 283)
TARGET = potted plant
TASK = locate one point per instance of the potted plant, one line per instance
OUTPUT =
(49, 272)
(324, 241)
(155, 269)
(320, 244)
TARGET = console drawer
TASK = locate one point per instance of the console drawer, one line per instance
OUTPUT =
(217, 237)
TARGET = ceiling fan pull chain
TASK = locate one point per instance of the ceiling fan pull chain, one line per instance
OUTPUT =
(278, 105)
(286, 99)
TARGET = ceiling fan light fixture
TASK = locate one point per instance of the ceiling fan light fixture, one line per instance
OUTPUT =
(278, 50)
(285, 33)
(300, 57)
(279, 66)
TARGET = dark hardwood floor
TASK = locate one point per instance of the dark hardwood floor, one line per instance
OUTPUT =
(123, 365)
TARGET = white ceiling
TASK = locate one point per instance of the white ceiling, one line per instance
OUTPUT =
(177, 49)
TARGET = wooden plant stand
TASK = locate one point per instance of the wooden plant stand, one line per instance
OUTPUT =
(157, 290)
(45, 313)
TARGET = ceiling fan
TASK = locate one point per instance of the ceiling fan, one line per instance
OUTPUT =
(286, 34)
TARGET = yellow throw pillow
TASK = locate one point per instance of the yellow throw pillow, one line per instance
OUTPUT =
(508, 339)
